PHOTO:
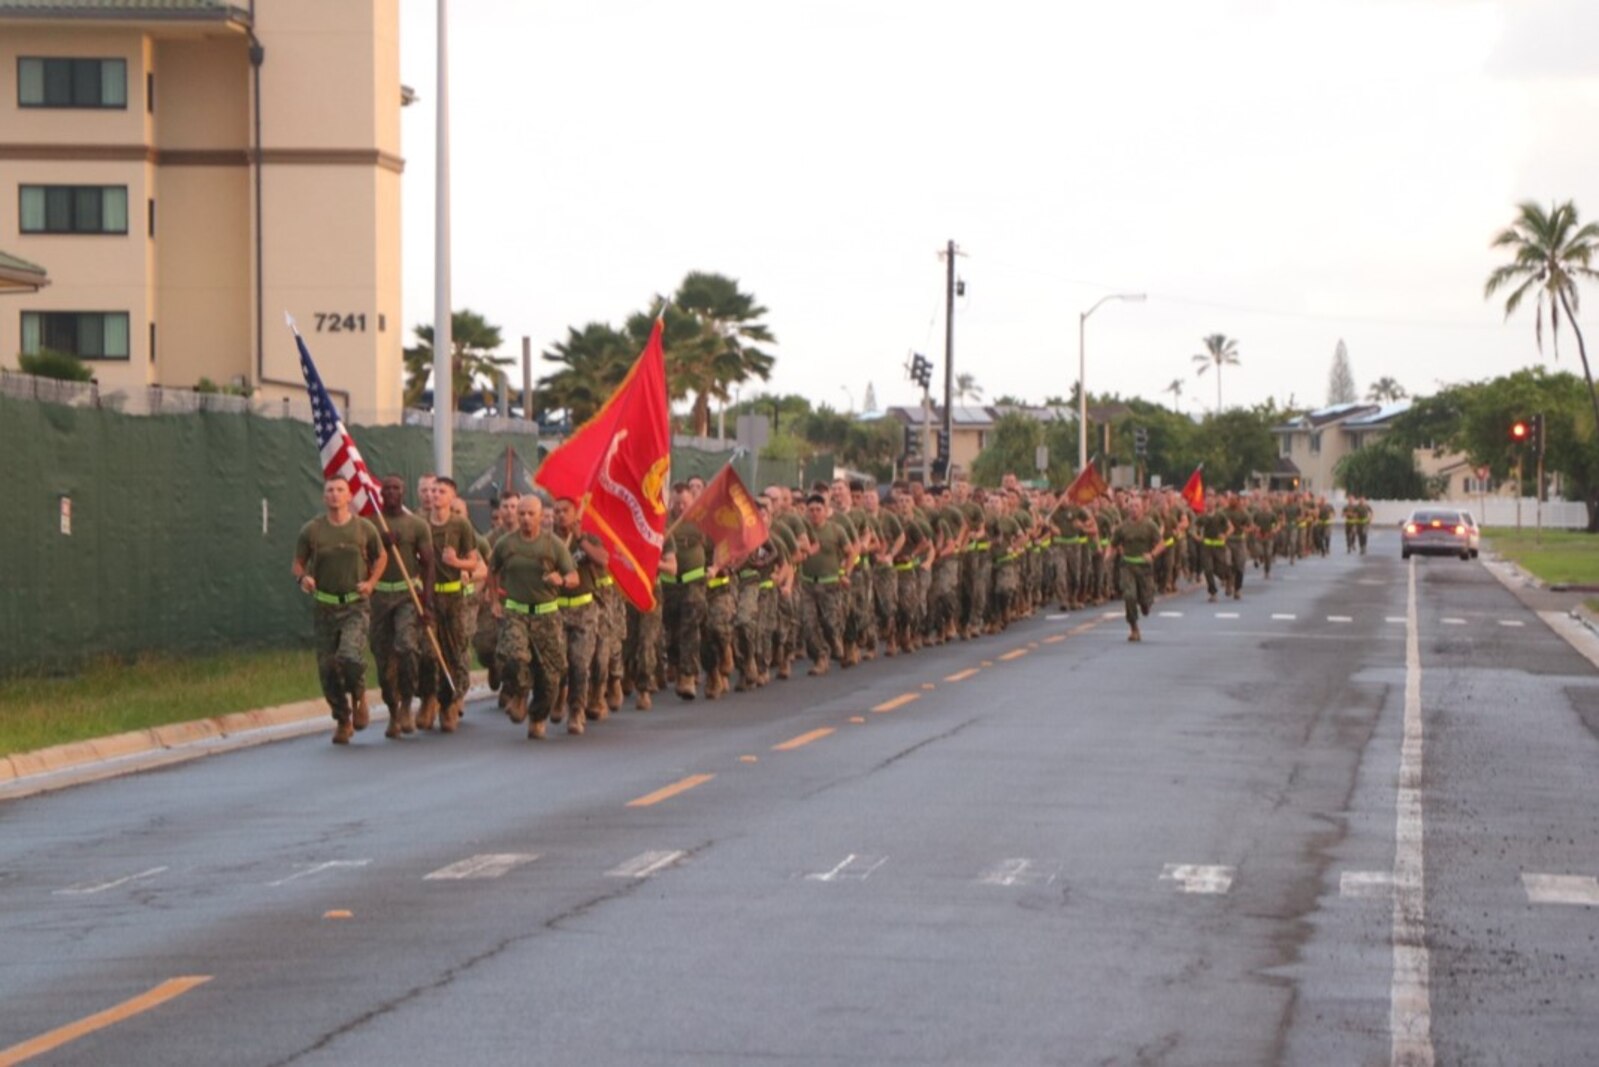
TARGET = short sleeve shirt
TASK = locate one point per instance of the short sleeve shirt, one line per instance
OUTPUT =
(527, 567)
(338, 557)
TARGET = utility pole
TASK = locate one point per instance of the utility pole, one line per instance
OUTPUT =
(443, 343)
(527, 378)
(949, 353)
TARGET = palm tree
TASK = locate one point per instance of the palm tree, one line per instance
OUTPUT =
(1176, 391)
(593, 361)
(730, 328)
(1219, 350)
(1384, 390)
(1552, 250)
(474, 340)
(966, 386)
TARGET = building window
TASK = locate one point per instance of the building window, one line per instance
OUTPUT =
(85, 334)
(43, 82)
(1315, 444)
(74, 209)
(1285, 445)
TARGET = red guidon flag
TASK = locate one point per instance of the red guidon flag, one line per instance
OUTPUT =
(1194, 489)
(616, 467)
(726, 514)
(1087, 486)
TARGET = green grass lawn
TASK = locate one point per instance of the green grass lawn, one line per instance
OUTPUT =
(1558, 557)
(114, 697)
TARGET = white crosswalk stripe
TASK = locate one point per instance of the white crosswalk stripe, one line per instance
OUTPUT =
(645, 864)
(485, 865)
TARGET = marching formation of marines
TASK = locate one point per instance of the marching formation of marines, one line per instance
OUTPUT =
(846, 574)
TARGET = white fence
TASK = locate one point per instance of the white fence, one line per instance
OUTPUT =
(1490, 511)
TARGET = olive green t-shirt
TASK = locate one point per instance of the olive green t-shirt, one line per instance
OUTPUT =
(338, 558)
(888, 529)
(454, 532)
(688, 544)
(528, 569)
(832, 541)
(411, 539)
(1136, 538)
(1265, 519)
(1240, 520)
(1213, 525)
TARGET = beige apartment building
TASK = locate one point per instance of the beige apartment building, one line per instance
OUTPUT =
(187, 171)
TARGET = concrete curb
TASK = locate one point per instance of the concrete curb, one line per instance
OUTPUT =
(43, 770)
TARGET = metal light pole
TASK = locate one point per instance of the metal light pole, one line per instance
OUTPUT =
(443, 341)
(1082, 374)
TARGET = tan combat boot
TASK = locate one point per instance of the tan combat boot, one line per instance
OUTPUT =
(518, 708)
(452, 717)
(613, 694)
(643, 703)
(363, 714)
(575, 722)
(407, 717)
(430, 710)
(393, 730)
(535, 731)
(343, 732)
(686, 686)
(597, 709)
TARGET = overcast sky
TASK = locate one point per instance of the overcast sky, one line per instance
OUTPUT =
(1285, 173)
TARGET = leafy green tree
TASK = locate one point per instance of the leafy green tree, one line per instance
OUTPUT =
(592, 363)
(1340, 380)
(1175, 388)
(1385, 390)
(1551, 251)
(1220, 351)
(473, 363)
(1010, 449)
(1235, 444)
(872, 445)
(966, 387)
(1385, 470)
(725, 351)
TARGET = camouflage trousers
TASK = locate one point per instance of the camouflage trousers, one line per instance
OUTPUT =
(786, 641)
(452, 615)
(858, 621)
(1138, 590)
(721, 610)
(944, 595)
(1007, 590)
(341, 653)
(532, 653)
(885, 596)
(581, 624)
(908, 604)
(1237, 560)
(1264, 549)
(641, 651)
(823, 621)
(608, 640)
(396, 643)
(749, 651)
(485, 637)
(684, 618)
(1213, 563)
(980, 579)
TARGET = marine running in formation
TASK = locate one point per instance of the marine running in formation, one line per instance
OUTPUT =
(845, 575)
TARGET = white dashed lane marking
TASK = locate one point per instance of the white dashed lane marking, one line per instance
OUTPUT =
(1227, 615)
(1021, 872)
(1170, 614)
(1511, 622)
(484, 865)
(1340, 618)
(1400, 619)
(1582, 890)
(1452, 621)
(855, 868)
(308, 869)
(645, 864)
(1286, 618)
(100, 887)
(1198, 878)
(1366, 884)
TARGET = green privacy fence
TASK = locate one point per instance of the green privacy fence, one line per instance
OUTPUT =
(175, 533)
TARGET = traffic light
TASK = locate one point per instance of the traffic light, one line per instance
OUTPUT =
(1535, 433)
(1519, 432)
(921, 370)
(1140, 441)
(913, 442)
(943, 445)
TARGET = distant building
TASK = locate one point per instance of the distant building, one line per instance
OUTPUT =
(188, 171)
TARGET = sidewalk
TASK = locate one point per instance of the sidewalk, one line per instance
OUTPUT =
(24, 774)
(1564, 612)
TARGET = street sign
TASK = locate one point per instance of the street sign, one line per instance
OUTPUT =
(1041, 458)
(753, 432)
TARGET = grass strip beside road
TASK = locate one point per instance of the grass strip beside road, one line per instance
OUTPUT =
(107, 697)
(1557, 557)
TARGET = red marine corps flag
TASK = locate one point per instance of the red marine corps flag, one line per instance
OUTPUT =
(1087, 486)
(728, 517)
(1194, 489)
(616, 467)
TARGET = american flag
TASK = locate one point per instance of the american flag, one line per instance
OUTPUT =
(339, 454)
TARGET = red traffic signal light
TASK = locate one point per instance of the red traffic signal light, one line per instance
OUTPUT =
(1519, 432)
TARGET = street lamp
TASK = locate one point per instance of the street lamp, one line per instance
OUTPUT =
(1082, 374)
(851, 398)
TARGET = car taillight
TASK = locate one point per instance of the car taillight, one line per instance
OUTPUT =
(1410, 527)
(1460, 529)
(1436, 524)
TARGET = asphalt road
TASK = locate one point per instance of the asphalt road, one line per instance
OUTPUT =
(1219, 846)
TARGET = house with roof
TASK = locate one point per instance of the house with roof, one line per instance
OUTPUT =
(969, 430)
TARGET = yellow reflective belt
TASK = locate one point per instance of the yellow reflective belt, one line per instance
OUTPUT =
(395, 587)
(604, 581)
(517, 606)
(1135, 559)
(717, 582)
(692, 576)
(768, 584)
(446, 587)
(336, 598)
(575, 601)
(826, 579)
(1214, 543)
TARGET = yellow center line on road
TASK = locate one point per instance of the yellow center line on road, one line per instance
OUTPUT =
(1057, 639)
(961, 676)
(803, 739)
(670, 791)
(1015, 654)
(898, 702)
(38, 1046)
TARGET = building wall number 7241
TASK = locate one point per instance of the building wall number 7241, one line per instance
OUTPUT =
(333, 322)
